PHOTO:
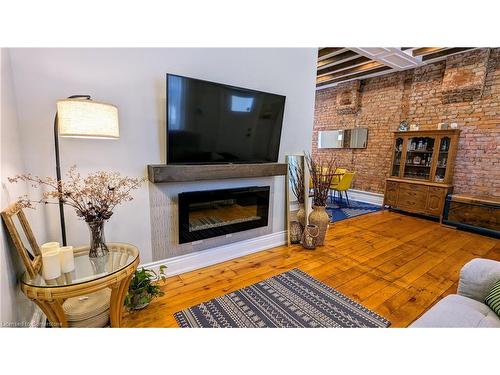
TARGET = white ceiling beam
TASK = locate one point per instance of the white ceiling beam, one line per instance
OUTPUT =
(390, 56)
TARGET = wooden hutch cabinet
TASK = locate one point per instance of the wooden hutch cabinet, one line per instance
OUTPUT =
(421, 172)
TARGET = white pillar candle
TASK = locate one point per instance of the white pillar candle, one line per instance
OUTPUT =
(49, 246)
(51, 265)
(67, 259)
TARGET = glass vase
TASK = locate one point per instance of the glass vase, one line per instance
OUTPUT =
(98, 246)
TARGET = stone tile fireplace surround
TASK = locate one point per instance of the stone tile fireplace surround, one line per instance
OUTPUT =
(164, 215)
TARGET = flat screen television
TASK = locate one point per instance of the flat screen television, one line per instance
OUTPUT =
(209, 122)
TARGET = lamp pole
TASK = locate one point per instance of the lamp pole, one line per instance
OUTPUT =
(58, 169)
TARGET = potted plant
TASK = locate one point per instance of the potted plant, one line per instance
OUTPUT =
(322, 172)
(143, 289)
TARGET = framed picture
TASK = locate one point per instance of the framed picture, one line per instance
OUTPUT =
(23, 239)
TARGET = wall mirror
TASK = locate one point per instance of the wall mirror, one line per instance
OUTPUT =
(343, 138)
(296, 208)
(23, 239)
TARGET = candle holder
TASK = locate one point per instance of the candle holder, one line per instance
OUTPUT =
(309, 236)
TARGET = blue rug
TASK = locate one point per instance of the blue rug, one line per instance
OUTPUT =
(340, 210)
(289, 300)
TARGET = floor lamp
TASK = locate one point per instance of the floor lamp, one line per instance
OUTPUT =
(80, 117)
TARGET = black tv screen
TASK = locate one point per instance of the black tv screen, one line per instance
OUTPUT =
(209, 122)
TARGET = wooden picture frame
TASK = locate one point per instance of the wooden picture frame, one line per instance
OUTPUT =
(34, 265)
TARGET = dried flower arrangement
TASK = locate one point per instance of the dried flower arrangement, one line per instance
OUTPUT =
(322, 171)
(93, 197)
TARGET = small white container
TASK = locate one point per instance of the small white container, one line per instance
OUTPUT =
(67, 259)
(49, 246)
(51, 268)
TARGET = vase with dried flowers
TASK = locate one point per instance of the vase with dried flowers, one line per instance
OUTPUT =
(296, 172)
(93, 197)
(322, 171)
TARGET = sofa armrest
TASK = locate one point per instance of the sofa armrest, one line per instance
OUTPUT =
(477, 278)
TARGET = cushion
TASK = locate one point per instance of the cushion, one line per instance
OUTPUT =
(493, 298)
(477, 278)
(98, 321)
(458, 312)
(88, 306)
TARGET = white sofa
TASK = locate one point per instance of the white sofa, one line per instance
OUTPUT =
(466, 308)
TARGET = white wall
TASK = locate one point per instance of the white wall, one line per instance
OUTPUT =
(134, 80)
(15, 307)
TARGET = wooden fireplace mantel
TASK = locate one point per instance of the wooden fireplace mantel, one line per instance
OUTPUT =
(158, 173)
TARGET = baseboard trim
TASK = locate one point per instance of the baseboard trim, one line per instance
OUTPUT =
(366, 197)
(205, 258)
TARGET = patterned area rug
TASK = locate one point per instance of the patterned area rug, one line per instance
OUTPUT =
(340, 210)
(291, 299)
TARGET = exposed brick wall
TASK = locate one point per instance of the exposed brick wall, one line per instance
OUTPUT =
(420, 97)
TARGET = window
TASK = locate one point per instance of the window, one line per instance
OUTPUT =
(241, 104)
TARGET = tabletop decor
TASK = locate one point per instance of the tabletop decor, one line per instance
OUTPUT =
(142, 290)
(322, 171)
(56, 260)
(93, 197)
(67, 259)
(289, 300)
(51, 265)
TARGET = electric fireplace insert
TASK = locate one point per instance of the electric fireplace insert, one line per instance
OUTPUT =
(212, 213)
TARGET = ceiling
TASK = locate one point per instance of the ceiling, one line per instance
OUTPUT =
(342, 64)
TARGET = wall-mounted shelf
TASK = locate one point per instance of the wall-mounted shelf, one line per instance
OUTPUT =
(158, 173)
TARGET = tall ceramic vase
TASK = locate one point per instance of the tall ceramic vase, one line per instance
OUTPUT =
(320, 218)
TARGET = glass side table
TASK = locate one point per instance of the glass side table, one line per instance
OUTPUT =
(114, 271)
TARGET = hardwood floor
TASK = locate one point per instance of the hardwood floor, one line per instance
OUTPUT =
(394, 264)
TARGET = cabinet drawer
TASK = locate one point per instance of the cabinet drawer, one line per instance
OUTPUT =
(412, 199)
(437, 190)
(414, 187)
(391, 185)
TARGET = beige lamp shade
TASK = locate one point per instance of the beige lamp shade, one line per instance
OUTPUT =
(87, 119)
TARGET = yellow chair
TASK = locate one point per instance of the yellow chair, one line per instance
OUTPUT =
(336, 180)
(344, 185)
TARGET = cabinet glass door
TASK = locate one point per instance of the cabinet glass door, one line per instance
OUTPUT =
(396, 160)
(442, 162)
(418, 159)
